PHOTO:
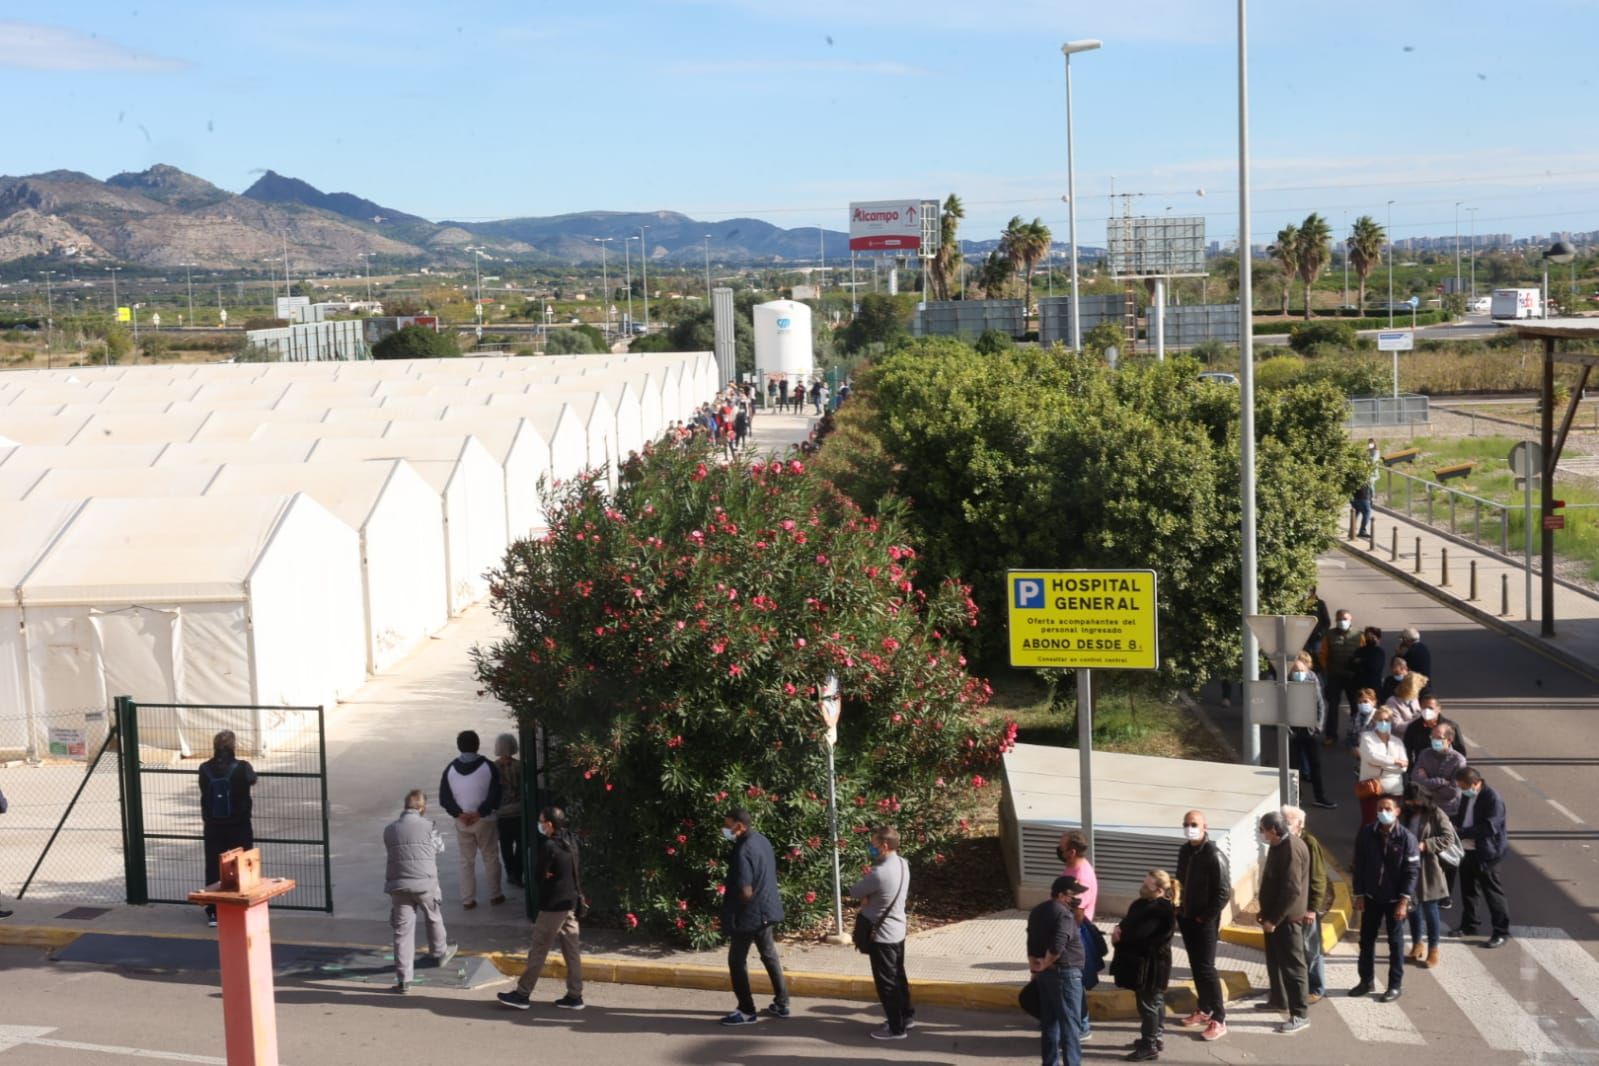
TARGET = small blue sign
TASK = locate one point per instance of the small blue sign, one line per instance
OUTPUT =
(1414, 302)
(1029, 592)
(783, 323)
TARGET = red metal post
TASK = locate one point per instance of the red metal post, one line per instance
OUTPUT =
(245, 943)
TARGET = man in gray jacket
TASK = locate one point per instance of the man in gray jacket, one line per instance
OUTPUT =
(412, 882)
(882, 893)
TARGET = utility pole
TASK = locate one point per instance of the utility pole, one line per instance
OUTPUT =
(1457, 247)
(188, 273)
(1246, 387)
(644, 274)
(1390, 235)
(1472, 211)
(627, 263)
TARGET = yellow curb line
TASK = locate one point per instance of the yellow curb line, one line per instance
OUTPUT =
(1338, 920)
(37, 936)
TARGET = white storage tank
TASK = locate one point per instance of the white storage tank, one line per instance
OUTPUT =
(783, 339)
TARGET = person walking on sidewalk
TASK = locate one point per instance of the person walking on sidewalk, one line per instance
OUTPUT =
(470, 791)
(882, 894)
(1206, 890)
(1319, 902)
(751, 909)
(1055, 959)
(1439, 847)
(1072, 850)
(1387, 869)
(225, 783)
(1284, 899)
(1480, 822)
(1361, 502)
(1143, 959)
(560, 886)
(412, 882)
(508, 817)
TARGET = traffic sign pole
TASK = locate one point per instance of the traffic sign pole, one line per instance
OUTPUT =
(1282, 703)
(1085, 755)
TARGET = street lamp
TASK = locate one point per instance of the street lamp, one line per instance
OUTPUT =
(1558, 252)
(1390, 236)
(366, 262)
(1472, 211)
(1246, 389)
(1457, 246)
(188, 276)
(605, 285)
(627, 262)
(707, 270)
(1069, 49)
(644, 274)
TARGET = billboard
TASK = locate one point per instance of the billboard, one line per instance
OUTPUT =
(893, 226)
(1155, 247)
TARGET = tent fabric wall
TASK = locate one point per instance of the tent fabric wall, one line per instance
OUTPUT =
(521, 452)
(30, 529)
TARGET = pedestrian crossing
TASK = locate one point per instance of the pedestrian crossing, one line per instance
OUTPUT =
(1534, 1002)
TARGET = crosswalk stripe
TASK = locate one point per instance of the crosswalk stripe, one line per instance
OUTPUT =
(1375, 1023)
(1565, 960)
(1497, 1015)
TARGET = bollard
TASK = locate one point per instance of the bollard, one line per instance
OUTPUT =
(1418, 555)
(1504, 594)
(1371, 533)
(1393, 548)
(1473, 596)
(244, 942)
(1351, 523)
(1443, 581)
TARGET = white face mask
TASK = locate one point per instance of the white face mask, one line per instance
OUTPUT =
(1366, 708)
(1343, 623)
(1429, 713)
(1194, 832)
(543, 830)
(727, 834)
(1297, 675)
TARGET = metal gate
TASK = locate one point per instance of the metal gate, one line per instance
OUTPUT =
(162, 747)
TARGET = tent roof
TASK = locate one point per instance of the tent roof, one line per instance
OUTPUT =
(161, 482)
(31, 526)
(349, 489)
(216, 452)
(91, 455)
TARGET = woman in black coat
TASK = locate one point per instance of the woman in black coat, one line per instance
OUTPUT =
(1143, 958)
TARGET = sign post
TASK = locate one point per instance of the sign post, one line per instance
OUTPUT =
(1526, 462)
(831, 705)
(1396, 341)
(1277, 703)
(1079, 620)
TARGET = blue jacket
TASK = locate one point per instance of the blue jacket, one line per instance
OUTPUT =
(752, 863)
(1487, 825)
(1387, 865)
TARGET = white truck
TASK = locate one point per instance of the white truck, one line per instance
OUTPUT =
(1515, 303)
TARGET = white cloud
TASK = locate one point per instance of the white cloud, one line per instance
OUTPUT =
(32, 46)
(884, 67)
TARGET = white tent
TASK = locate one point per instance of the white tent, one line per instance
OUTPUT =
(210, 600)
(471, 490)
(82, 455)
(217, 452)
(226, 424)
(137, 427)
(27, 424)
(396, 513)
(30, 528)
(592, 412)
(82, 483)
(515, 443)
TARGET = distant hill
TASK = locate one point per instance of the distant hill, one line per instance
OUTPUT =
(164, 217)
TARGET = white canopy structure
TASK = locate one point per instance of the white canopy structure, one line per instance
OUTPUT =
(30, 528)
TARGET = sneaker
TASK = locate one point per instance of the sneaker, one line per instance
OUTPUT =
(211, 917)
(400, 988)
(469, 906)
(1198, 1018)
(449, 953)
(1214, 1031)
(515, 1000)
(1326, 805)
(6, 914)
(777, 1010)
(883, 1032)
(738, 1017)
(570, 1002)
(1498, 940)
(1143, 1052)
(1296, 1024)
(1446, 904)
(496, 901)
(1085, 1036)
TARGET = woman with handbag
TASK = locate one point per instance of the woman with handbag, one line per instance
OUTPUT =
(1382, 764)
(561, 903)
(1143, 958)
(1439, 844)
(880, 930)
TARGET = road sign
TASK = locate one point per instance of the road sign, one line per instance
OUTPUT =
(831, 704)
(1395, 340)
(124, 314)
(1296, 629)
(1262, 706)
(1526, 459)
(1082, 618)
(1554, 521)
(155, 320)
(1414, 302)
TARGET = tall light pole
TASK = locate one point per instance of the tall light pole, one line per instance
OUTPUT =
(1390, 235)
(627, 262)
(1345, 245)
(1558, 252)
(707, 270)
(49, 316)
(1067, 50)
(1457, 247)
(644, 274)
(1472, 211)
(1246, 387)
(114, 303)
(605, 285)
(188, 274)
(366, 262)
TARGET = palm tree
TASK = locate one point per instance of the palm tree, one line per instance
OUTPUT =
(1313, 252)
(1024, 244)
(1286, 252)
(1365, 245)
(995, 275)
(947, 259)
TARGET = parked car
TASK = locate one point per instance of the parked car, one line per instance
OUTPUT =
(1221, 377)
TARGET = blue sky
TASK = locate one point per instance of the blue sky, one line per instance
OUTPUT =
(787, 111)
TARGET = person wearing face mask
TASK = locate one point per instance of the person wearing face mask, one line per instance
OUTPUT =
(1072, 850)
(1417, 655)
(1055, 959)
(1418, 734)
(1387, 869)
(411, 879)
(1382, 760)
(1370, 659)
(1406, 700)
(1365, 707)
(1437, 766)
(1435, 839)
(1206, 889)
(751, 909)
(1304, 746)
(560, 891)
(1143, 958)
(1398, 668)
(1338, 668)
(882, 893)
(1480, 821)
(1284, 897)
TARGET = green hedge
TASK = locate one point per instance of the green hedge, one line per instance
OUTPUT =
(1426, 318)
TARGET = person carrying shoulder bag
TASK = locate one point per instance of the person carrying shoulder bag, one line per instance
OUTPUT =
(880, 930)
(1143, 958)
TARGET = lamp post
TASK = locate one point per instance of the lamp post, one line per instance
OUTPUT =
(366, 262)
(1472, 211)
(1457, 247)
(1558, 252)
(644, 274)
(1067, 50)
(605, 286)
(707, 270)
(188, 275)
(627, 263)
(1345, 246)
(1390, 235)
(49, 317)
(1246, 386)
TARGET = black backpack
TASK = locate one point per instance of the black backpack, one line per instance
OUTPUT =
(219, 794)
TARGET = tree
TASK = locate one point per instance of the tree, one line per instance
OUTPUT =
(879, 321)
(1366, 240)
(1286, 252)
(1312, 253)
(1024, 244)
(570, 342)
(417, 342)
(948, 257)
(670, 642)
(995, 275)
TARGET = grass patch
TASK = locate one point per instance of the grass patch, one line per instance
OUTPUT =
(1127, 718)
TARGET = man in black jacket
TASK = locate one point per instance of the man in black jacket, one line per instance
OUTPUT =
(1387, 866)
(751, 909)
(1480, 821)
(1207, 887)
(557, 876)
(225, 783)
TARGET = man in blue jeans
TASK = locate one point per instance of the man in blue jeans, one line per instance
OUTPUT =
(1055, 958)
(751, 909)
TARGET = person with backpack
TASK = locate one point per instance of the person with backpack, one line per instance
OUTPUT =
(882, 926)
(225, 783)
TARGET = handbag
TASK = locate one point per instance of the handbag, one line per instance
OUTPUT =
(1370, 788)
(1030, 999)
(866, 927)
(1453, 854)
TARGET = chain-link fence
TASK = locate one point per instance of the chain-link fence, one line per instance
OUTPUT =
(288, 812)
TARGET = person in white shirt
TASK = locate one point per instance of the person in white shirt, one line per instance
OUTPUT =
(1382, 759)
(470, 790)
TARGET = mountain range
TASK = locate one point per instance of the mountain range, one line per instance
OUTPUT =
(163, 217)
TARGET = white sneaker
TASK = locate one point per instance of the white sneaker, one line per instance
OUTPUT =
(883, 1032)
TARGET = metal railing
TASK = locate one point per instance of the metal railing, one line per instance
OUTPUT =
(1462, 513)
(1407, 410)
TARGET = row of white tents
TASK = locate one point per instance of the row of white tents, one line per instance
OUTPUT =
(270, 534)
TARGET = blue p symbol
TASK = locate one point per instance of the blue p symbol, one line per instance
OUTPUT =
(1029, 592)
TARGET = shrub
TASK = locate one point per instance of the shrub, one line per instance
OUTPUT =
(671, 642)
(1309, 338)
(569, 342)
(993, 342)
(417, 342)
(1213, 351)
